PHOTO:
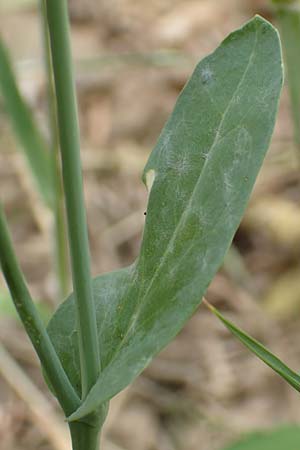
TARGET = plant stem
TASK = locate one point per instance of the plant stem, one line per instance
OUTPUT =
(60, 233)
(33, 323)
(288, 15)
(58, 24)
(84, 437)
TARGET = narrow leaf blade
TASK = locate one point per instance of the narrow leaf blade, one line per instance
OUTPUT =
(259, 350)
(30, 138)
(200, 176)
(288, 15)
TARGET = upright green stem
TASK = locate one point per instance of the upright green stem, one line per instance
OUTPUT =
(60, 234)
(288, 15)
(84, 437)
(58, 24)
(33, 323)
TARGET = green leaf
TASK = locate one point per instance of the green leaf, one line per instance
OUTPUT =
(285, 437)
(200, 176)
(31, 140)
(259, 350)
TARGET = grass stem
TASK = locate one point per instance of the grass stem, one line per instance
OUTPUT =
(58, 24)
(33, 323)
(60, 233)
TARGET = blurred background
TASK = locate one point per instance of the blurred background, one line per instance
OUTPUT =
(204, 390)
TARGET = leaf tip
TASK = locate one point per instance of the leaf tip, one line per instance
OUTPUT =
(208, 305)
(260, 21)
(268, 26)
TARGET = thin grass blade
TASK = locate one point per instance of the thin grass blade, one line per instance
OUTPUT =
(288, 16)
(259, 350)
(30, 138)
